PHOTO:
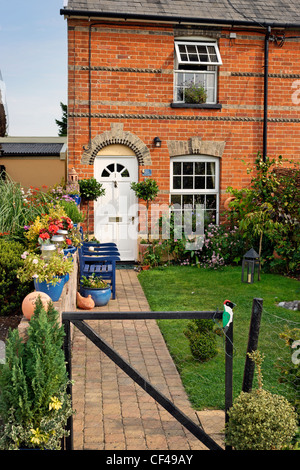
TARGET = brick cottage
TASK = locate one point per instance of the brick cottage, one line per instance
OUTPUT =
(134, 69)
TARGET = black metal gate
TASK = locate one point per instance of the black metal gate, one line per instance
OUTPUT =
(78, 319)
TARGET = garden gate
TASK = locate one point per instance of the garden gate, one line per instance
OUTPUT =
(78, 320)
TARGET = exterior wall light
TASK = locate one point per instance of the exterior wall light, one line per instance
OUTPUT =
(157, 142)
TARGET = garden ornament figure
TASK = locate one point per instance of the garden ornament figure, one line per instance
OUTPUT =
(227, 314)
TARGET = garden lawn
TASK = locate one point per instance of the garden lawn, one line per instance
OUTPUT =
(177, 288)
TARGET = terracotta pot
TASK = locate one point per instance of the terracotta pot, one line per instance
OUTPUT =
(145, 267)
(227, 201)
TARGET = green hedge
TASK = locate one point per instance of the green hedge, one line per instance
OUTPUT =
(12, 292)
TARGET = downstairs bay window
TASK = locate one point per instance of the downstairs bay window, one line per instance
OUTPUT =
(194, 182)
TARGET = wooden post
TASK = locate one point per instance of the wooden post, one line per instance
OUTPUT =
(257, 306)
(228, 373)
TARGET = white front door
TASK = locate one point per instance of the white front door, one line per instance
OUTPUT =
(116, 213)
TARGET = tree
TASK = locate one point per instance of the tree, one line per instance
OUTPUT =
(270, 209)
(146, 190)
(63, 124)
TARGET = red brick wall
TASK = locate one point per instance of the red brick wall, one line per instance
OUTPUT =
(132, 93)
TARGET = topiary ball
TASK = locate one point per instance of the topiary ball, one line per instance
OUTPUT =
(260, 420)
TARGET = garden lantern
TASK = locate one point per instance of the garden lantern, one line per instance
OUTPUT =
(62, 233)
(58, 240)
(250, 266)
(47, 250)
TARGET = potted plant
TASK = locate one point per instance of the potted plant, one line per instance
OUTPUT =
(72, 241)
(90, 190)
(97, 288)
(47, 225)
(150, 257)
(34, 401)
(195, 94)
(146, 190)
(49, 275)
(74, 192)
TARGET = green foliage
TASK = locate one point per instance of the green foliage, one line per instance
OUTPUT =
(72, 211)
(18, 207)
(34, 404)
(222, 246)
(260, 420)
(90, 189)
(50, 271)
(270, 210)
(94, 282)
(290, 373)
(202, 339)
(146, 190)
(12, 291)
(63, 124)
(195, 94)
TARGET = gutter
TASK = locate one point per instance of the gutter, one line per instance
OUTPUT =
(174, 19)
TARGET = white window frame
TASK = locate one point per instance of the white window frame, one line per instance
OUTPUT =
(202, 44)
(214, 191)
(195, 74)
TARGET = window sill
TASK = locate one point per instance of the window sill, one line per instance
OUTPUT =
(195, 105)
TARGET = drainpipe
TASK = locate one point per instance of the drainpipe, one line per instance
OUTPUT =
(266, 73)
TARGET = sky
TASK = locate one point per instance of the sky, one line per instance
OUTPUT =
(33, 65)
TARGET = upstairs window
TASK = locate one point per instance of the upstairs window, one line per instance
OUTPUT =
(196, 67)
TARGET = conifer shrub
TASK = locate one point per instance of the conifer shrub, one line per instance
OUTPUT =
(34, 402)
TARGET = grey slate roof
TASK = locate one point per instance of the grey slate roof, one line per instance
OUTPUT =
(34, 149)
(273, 12)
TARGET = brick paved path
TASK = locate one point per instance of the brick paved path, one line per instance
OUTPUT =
(114, 413)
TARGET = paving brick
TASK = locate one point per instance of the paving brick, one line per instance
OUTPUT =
(114, 413)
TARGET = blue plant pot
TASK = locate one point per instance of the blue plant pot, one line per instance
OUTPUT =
(70, 250)
(76, 198)
(54, 291)
(101, 297)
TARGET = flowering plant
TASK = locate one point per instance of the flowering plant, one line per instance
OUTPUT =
(60, 193)
(73, 238)
(50, 271)
(47, 225)
(73, 189)
(221, 246)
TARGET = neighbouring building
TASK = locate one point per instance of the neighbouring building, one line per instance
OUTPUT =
(217, 82)
(34, 161)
